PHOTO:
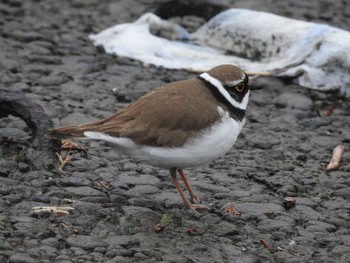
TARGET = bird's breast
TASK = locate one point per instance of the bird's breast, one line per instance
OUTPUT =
(210, 144)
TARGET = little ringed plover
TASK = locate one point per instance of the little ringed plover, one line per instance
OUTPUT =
(178, 125)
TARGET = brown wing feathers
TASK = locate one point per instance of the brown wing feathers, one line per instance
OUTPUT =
(165, 116)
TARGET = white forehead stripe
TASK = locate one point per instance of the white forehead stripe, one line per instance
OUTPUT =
(217, 84)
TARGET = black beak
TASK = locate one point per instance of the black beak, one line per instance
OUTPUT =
(255, 87)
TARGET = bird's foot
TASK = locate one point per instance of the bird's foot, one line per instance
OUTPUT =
(195, 199)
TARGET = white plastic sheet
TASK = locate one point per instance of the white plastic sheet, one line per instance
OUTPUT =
(316, 55)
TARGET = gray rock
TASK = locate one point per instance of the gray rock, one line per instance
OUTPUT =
(52, 80)
(74, 181)
(22, 258)
(85, 242)
(307, 213)
(225, 229)
(143, 190)
(258, 208)
(13, 198)
(84, 191)
(13, 132)
(319, 226)
(294, 101)
(344, 251)
(140, 179)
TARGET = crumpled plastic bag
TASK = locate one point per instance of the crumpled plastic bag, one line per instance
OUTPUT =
(316, 55)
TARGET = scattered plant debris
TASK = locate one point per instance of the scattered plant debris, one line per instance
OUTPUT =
(166, 219)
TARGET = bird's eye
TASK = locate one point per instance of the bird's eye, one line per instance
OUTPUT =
(240, 87)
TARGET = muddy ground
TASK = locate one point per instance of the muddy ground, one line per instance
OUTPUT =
(282, 151)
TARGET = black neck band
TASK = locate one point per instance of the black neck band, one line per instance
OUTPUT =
(235, 113)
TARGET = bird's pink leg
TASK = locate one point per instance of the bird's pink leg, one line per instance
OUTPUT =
(194, 197)
(182, 194)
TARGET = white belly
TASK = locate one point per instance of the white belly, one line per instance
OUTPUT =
(213, 143)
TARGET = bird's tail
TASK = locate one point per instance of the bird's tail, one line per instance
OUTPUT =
(66, 132)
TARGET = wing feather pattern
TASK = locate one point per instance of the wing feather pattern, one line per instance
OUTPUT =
(166, 116)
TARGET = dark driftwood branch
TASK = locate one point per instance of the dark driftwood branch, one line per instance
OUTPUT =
(16, 104)
(40, 153)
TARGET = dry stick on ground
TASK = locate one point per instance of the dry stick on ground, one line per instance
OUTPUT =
(60, 211)
(336, 158)
(64, 161)
(69, 145)
(268, 246)
(259, 73)
(285, 250)
(274, 250)
(72, 148)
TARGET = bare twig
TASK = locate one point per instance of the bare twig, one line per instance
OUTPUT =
(60, 211)
(336, 158)
(259, 73)
(268, 246)
(285, 250)
(64, 161)
(274, 250)
(69, 145)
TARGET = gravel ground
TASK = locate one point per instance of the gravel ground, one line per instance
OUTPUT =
(282, 151)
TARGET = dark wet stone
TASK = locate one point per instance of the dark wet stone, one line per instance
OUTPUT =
(143, 190)
(341, 250)
(22, 258)
(314, 123)
(74, 181)
(39, 69)
(309, 213)
(273, 225)
(39, 174)
(53, 80)
(117, 200)
(23, 167)
(139, 218)
(168, 199)
(116, 259)
(13, 132)
(97, 199)
(13, 198)
(26, 36)
(43, 251)
(81, 165)
(84, 191)
(85, 242)
(319, 226)
(41, 198)
(144, 202)
(294, 101)
(225, 229)
(45, 59)
(141, 179)
(258, 208)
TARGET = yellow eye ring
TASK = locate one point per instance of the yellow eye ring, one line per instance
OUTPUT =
(240, 87)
